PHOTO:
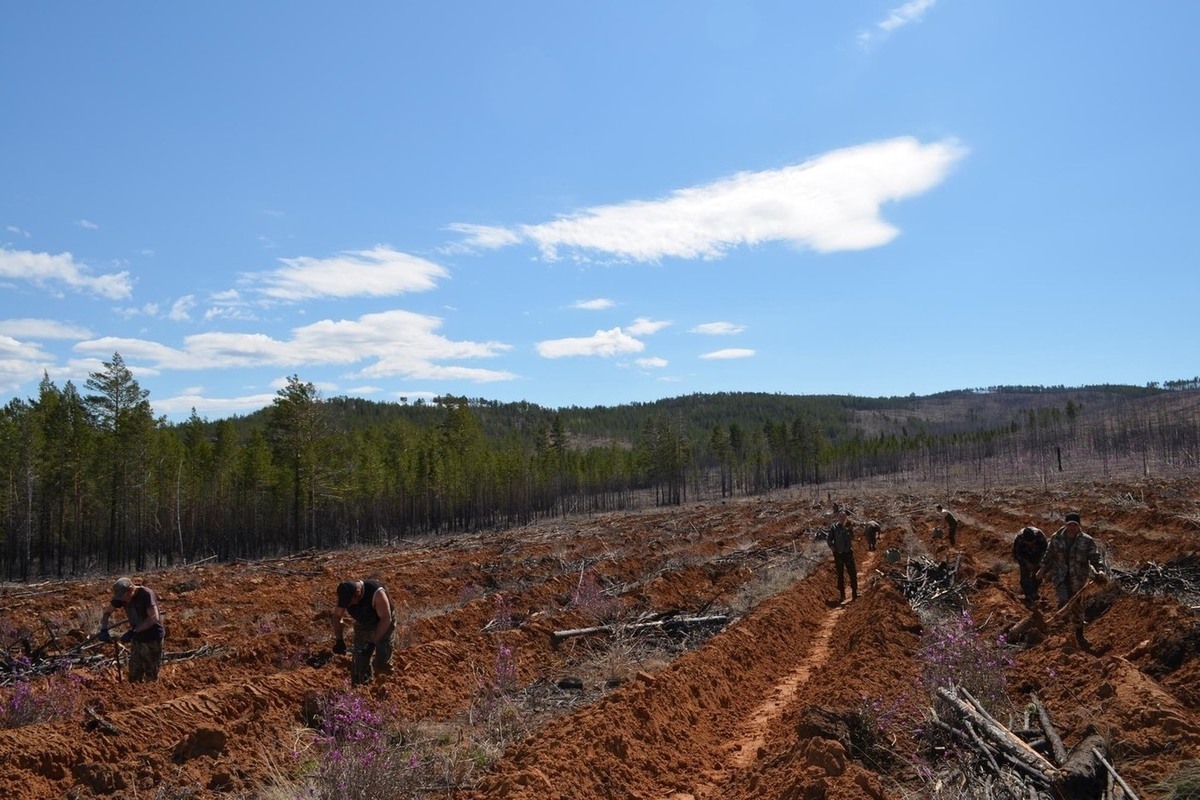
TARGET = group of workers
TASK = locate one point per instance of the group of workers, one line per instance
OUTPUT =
(1069, 559)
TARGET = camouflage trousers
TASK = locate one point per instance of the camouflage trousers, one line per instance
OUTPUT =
(144, 660)
(1064, 592)
(362, 667)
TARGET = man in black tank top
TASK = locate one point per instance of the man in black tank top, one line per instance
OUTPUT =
(366, 602)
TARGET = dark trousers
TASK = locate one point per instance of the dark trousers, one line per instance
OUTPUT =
(1029, 582)
(844, 562)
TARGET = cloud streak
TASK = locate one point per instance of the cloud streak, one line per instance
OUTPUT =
(379, 272)
(391, 343)
(827, 204)
(897, 18)
(47, 271)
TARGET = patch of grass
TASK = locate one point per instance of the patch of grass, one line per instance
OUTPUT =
(1182, 784)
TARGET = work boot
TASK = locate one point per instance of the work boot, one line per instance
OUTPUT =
(1081, 640)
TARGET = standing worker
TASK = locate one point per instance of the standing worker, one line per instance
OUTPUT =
(146, 630)
(1028, 548)
(840, 538)
(1071, 558)
(367, 603)
(951, 522)
(871, 533)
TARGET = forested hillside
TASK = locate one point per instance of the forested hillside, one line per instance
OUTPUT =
(93, 481)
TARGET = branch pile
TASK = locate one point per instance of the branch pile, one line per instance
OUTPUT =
(1179, 575)
(926, 583)
(89, 654)
(1028, 762)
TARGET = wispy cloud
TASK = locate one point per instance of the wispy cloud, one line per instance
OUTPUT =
(41, 329)
(51, 272)
(18, 231)
(599, 304)
(379, 272)
(728, 353)
(828, 204)
(644, 327)
(181, 308)
(483, 237)
(651, 363)
(718, 328)
(897, 18)
(87, 224)
(613, 342)
(392, 343)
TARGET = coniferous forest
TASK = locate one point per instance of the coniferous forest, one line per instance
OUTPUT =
(94, 482)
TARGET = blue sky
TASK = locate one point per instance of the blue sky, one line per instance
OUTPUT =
(579, 203)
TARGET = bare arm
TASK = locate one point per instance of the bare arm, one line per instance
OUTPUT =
(383, 607)
(339, 614)
(152, 619)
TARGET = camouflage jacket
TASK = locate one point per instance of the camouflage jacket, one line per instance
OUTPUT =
(1066, 561)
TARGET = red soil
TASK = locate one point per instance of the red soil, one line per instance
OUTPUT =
(745, 715)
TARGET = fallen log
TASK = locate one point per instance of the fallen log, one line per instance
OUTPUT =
(1056, 743)
(670, 624)
(1082, 775)
(1001, 737)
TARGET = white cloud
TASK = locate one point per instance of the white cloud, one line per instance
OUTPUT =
(718, 328)
(390, 343)
(830, 203)
(49, 271)
(728, 353)
(897, 18)
(18, 231)
(87, 225)
(182, 404)
(42, 329)
(651, 363)
(644, 327)
(380, 272)
(598, 304)
(181, 308)
(483, 237)
(602, 343)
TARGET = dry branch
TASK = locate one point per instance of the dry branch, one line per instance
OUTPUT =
(674, 623)
(1112, 771)
(1055, 741)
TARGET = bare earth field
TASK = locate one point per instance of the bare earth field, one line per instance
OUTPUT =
(740, 710)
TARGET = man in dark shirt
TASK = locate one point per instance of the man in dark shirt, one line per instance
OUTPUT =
(951, 523)
(1028, 548)
(367, 603)
(146, 631)
(840, 539)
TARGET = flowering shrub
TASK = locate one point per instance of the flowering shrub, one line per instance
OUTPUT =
(503, 618)
(59, 698)
(589, 598)
(955, 653)
(357, 759)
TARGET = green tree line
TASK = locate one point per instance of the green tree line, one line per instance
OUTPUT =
(93, 481)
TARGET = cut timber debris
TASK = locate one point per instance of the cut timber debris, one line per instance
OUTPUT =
(674, 623)
(1041, 766)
